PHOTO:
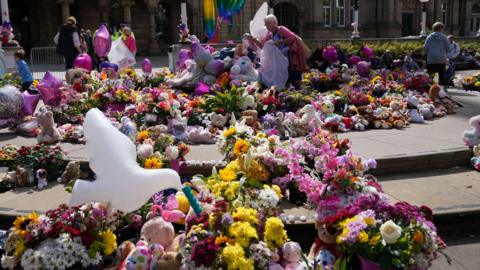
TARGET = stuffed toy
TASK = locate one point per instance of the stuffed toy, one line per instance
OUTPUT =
(158, 231)
(21, 176)
(399, 120)
(41, 178)
(123, 250)
(324, 250)
(179, 129)
(293, 126)
(331, 120)
(279, 117)
(413, 113)
(471, 137)
(49, 133)
(169, 261)
(440, 99)
(292, 256)
(200, 135)
(367, 113)
(310, 118)
(218, 120)
(243, 70)
(247, 102)
(359, 122)
(475, 160)
(71, 172)
(128, 128)
(143, 257)
(427, 110)
(250, 118)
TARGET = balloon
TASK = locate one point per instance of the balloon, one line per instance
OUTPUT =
(83, 61)
(210, 17)
(330, 54)
(183, 56)
(363, 69)
(147, 66)
(102, 41)
(11, 102)
(202, 89)
(113, 158)
(354, 60)
(367, 52)
(49, 89)
(29, 103)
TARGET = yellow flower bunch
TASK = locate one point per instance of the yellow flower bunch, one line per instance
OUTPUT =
(229, 132)
(245, 214)
(240, 147)
(363, 237)
(469, 80)
(376, 79)
(234, 257)
(275, 235)
(227, 190)
(109, 241)
(374, 240)
(153, 163)
(243, 233)
(275, 188)
(142, 135)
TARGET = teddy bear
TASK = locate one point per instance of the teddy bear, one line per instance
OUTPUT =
(49, 132)
(331, 120)
(279, 117)
(385, 117)
(200, 135)
(218, 120)
(359, 122)
(247, 102)
(250, 118)
(309, 116)
(367, 113)
(143, 257)
(399, 120)
(71, 172)
(427, 110)
(243, 70)
(292, 256)
(324, 250)
(413, 113)
(440, 99)
(169, 261)
(41, 178)
(123, 250)
(471, 137)
(158, 231)
(292, 125)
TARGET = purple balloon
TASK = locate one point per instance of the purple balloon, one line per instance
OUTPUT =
(354, 60)
(147, 66)
(330, 54)
(183, 56)
(102, 41)
(29, 103)
(83, 61)
(202, 89)
(367, 52)
(363, 69)
(49, 89)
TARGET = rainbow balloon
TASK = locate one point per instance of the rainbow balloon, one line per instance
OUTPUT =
(228, 8)
(210, 15)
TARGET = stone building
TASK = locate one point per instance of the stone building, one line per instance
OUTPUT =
(155, 21)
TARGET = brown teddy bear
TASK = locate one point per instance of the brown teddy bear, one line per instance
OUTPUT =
(158, 231)
(325, 243)
(440, 99)
(367, 113)
(72, 172)
(169, 261)
(49, 132)
(251, 119)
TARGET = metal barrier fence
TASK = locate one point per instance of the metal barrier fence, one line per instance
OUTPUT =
(44, 59)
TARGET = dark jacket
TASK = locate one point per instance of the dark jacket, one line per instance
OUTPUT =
(65, 44)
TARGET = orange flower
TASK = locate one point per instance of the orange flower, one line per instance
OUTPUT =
(418, 237)
(221, 239)
(142, 135)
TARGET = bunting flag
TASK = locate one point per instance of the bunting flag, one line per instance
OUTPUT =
(210, 15)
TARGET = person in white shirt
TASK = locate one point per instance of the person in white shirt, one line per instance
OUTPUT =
(68, 42)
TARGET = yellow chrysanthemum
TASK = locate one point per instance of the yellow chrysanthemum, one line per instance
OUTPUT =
(229, 132)
(153, 163)
(363, 237)
(234, 257)
(19, 248)
(261, 135)
(233, 166)
(33, 217)
(245, 214)
(241, 147)
(221, 239)
(227, 175)
(275, 235)
(243, 233)
(370, 221)
(109, 240)
(277, 190)
(142, 135)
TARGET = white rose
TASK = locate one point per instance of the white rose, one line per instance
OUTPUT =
(144, 151)
(390, 232)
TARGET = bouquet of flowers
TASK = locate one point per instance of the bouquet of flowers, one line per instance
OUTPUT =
(472, 83)
(63, 238)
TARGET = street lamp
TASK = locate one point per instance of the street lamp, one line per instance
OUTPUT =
(356, 6)
(423, 33)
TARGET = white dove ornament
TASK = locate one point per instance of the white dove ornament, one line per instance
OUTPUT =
(120, 181)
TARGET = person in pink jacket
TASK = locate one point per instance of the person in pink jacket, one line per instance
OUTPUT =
(289, 44)
(129, 39)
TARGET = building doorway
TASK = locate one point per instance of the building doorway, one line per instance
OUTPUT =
(475, 20)
(287, 15)
(407, 24)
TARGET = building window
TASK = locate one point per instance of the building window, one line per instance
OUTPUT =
(287, 15)
(444, 13)
(475, 19)
(352, 8)
(327, 14)
(340, 13)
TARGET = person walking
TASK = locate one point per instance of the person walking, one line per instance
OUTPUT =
(452, 55)
(68, 42)
(437, 48)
